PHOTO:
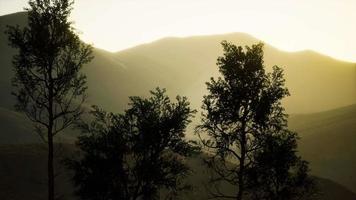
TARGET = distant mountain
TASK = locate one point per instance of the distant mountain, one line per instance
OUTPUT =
(328, 141)
(183, 65)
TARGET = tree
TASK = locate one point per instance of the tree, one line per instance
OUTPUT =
(49, 86)
(137, 154)
(242, 116)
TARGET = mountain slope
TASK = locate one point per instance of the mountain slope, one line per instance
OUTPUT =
(183, 65)
(328, 141)
(15, 128)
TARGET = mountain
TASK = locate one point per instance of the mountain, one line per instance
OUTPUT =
(183, 65)
(328, 142)
(316, 82)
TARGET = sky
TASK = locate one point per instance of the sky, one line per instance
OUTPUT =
(325, 26)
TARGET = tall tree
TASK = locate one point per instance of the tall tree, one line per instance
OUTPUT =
(241, 114)
(135, 155)
(49, 86)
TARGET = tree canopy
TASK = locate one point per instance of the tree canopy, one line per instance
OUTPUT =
(137, 154)
(244, 127)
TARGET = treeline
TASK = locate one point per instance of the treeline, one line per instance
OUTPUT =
(138, 153)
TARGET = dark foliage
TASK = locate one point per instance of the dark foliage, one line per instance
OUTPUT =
(135, 155)
(49, 86)
(277, 173)
(246, 131)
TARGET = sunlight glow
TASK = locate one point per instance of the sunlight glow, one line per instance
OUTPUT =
(326, 26)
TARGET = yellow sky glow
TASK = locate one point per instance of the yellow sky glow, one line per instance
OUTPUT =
(326, 26)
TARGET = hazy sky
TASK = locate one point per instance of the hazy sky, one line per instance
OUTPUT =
(327, 26)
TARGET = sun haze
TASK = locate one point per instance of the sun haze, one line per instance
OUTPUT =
(326, 26)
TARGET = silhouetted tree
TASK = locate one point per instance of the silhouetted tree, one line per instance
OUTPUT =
(136, 154)
(243, 119)
(50, 88)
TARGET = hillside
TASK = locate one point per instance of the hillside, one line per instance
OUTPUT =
(15, 128)
(328, 142)
(23, 173)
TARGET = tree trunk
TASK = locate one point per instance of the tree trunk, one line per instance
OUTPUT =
(50, 137)
(242, 168)
(50, 166)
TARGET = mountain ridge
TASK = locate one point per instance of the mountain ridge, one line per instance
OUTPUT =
(306, 50)
(168, 38)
